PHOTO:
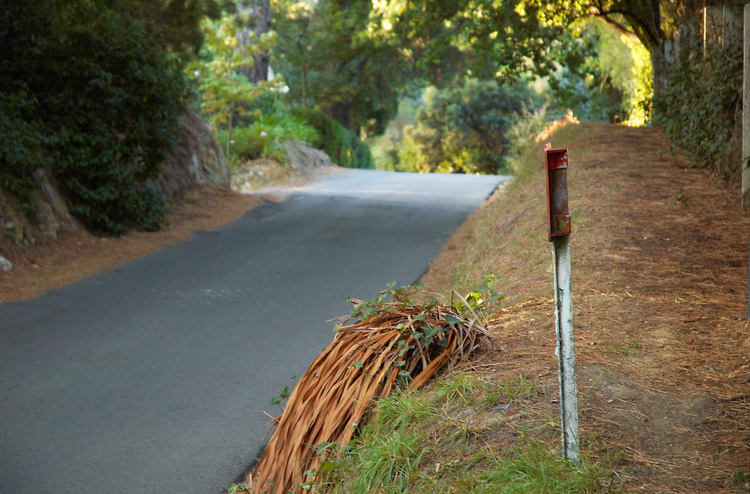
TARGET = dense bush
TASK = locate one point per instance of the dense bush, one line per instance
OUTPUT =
(84, 90)
(265, 137)
(699, 111)
(343, 146)
(20, 146)
(464, 129)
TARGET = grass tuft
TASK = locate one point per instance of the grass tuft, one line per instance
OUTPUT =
(419, 443)
(388, 463)
(536, 469)
(401, 409)
(521, 388)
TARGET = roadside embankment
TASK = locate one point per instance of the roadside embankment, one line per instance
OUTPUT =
(663, 347)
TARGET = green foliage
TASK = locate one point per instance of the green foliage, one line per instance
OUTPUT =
(460, 387)
(409, 157)
(701, 106)
(464, 129)
(482, 298)
(343, 146)
(401, 296)
(20, 148)
(106, 101)
(490, 39)
(330, 61)
(239, 488)
(520, 388)
(246, 143)
(265, 137)
(523, 134)
(174, 24)
(478, 301)
(224, 92)
(643, 18)
(386, 148)
(593, 72)
(320, 479)
(389, 462)
(535, 469)
(602, 75)
(403, 408)
(285, 393)
(640, 91)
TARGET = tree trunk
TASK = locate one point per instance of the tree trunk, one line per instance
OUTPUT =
(733, 26)
(661, 62)
(304, 86)
(683, 44)
(229, 128)
(341, 111)
(259, 17)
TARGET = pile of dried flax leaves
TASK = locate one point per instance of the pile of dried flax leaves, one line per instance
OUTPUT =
(382, 344)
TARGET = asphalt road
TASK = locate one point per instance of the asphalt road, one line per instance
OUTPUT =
(154, 377)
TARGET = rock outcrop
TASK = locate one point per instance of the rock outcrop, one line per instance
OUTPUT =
(197, 159)
(49, 220)
(302, 161)
(304, 158)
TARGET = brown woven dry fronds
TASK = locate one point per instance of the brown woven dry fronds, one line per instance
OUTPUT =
(361, 365)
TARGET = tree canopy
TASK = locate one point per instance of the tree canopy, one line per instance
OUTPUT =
(327, 54)
(93, 89)
(464, 129)
(495, 38)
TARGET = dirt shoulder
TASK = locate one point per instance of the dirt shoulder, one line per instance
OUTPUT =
(660, 290)
(51, 264)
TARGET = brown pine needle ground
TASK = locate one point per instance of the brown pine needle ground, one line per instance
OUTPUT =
(659, 254)
(388, 343)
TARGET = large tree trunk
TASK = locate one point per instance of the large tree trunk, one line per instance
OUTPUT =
(341, 111)
(661, 63)
(259, 17)
(683, 44)
(304, 86)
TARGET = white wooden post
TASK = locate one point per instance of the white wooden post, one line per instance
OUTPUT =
(566, 354)
(559, 233)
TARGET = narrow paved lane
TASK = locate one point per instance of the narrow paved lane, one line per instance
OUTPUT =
(154, 377)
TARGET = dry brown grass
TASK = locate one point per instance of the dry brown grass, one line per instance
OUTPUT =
(660, 290)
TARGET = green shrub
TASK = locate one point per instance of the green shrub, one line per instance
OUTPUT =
(341, 144)
(699, 111)
(247, 144)
(265, 137)
(20, 148)
(94, 97)
(463, 129)
(410, 157)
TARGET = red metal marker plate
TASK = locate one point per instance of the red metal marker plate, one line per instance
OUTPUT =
(557, 193)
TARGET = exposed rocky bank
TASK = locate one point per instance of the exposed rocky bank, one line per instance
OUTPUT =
(196, 161)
